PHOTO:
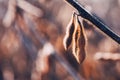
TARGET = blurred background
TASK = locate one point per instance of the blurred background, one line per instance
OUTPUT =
(31, 41)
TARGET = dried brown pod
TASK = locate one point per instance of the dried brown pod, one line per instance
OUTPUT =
(69, 33)
(79, 41)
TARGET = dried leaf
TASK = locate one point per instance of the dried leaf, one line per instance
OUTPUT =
(69, 33)
(78, 42)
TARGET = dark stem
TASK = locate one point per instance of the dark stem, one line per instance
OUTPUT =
(85, 14)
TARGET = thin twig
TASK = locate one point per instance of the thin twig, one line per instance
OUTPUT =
(85, 14)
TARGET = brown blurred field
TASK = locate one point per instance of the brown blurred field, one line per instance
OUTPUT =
(31, 41)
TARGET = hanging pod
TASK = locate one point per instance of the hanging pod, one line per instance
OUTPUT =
(75, 37)
(69, 32)
(79, 41)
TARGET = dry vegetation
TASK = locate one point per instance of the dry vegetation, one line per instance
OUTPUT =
(31, 41)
